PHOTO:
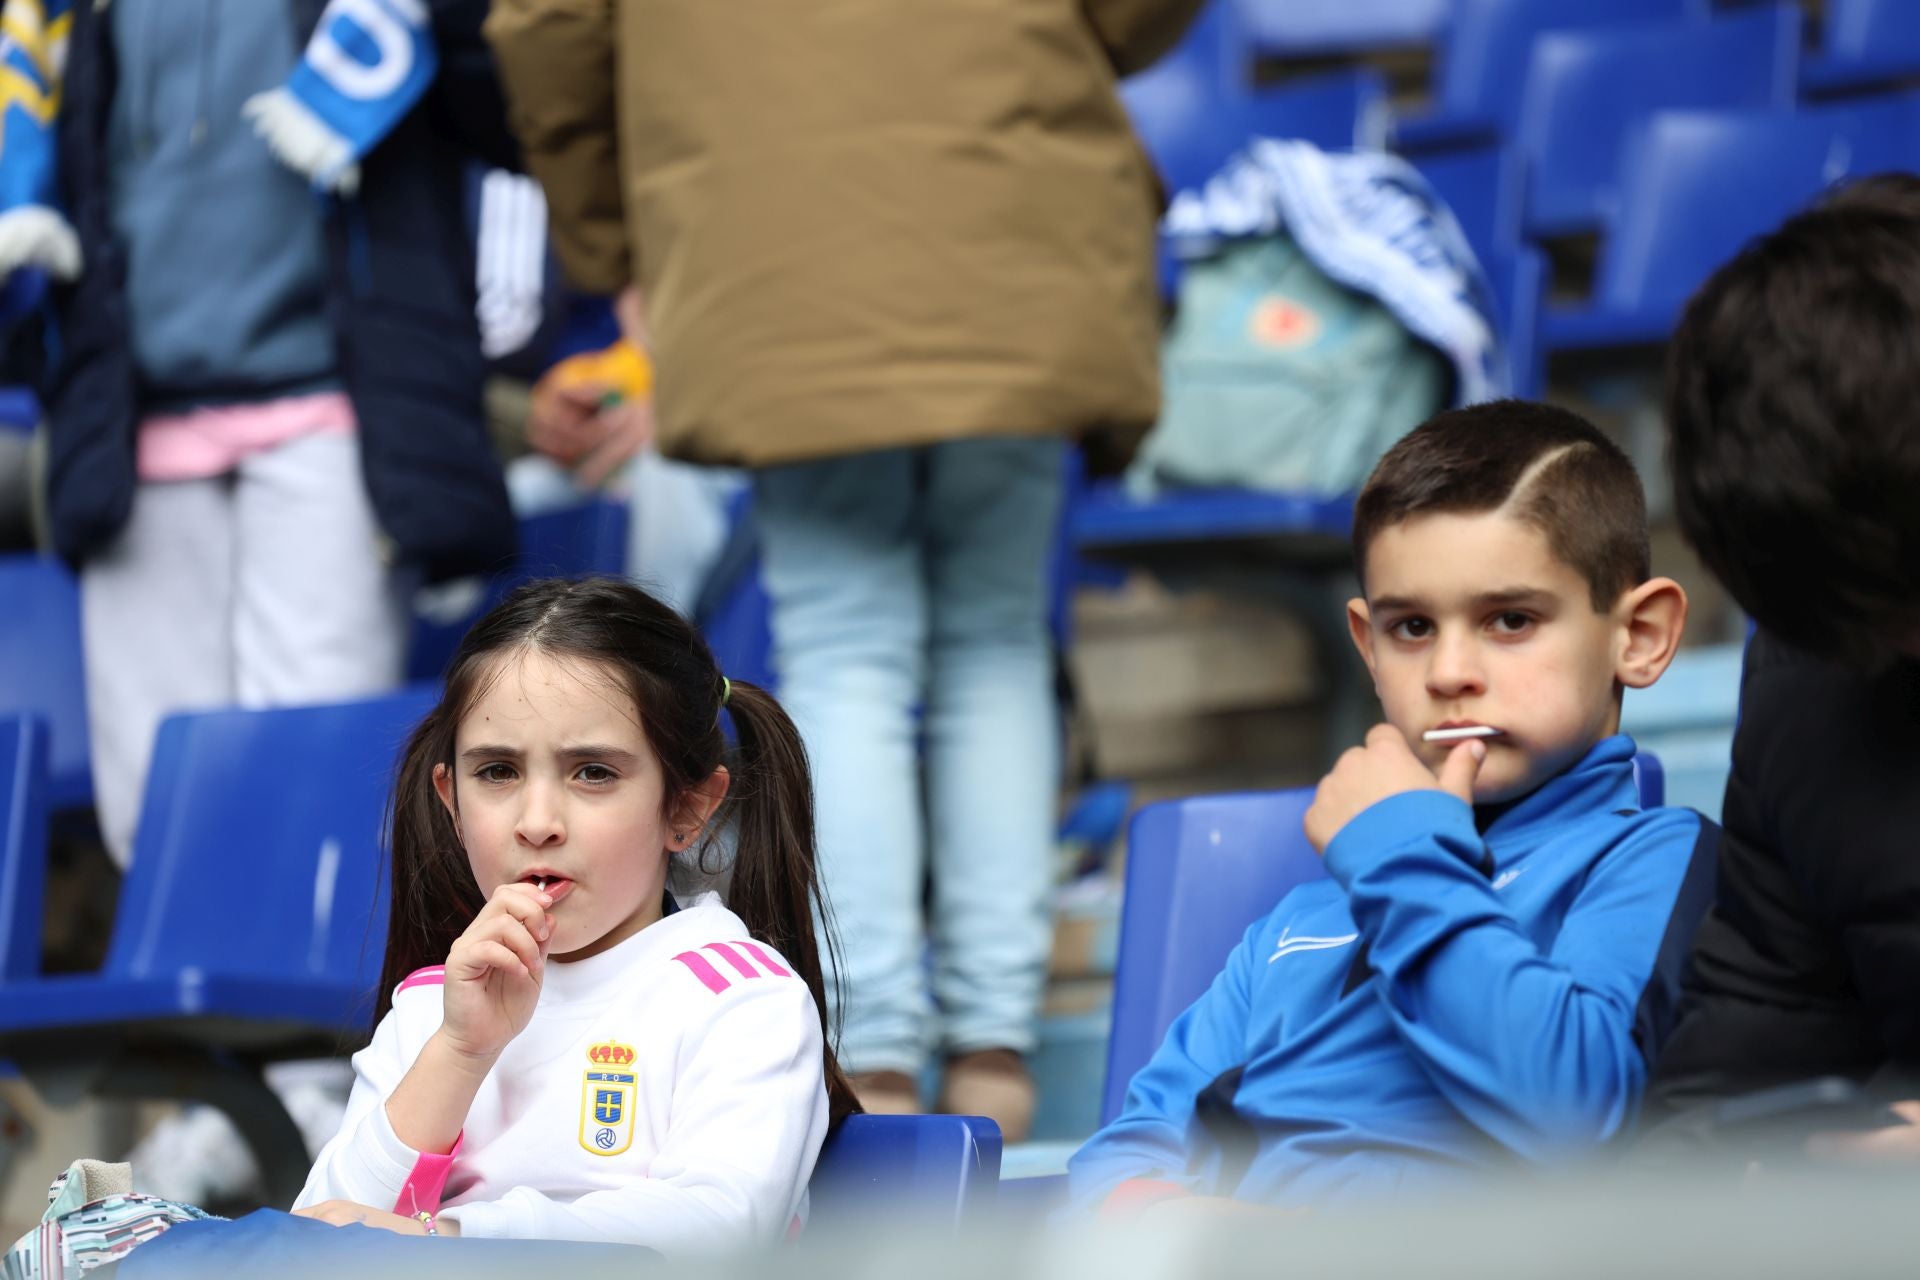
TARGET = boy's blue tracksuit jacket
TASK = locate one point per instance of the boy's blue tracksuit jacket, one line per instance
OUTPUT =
(1453, 995)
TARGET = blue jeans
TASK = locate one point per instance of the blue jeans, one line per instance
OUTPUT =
(918, 578)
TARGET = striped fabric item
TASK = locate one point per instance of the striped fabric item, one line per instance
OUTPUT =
(75, 1238)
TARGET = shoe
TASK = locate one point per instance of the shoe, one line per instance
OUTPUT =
(195, 1157)
(994, 1083)
(886, 1093)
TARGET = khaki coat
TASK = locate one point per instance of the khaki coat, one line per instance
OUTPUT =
(858, 224)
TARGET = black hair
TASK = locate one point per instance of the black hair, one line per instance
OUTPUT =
(1793, 389)
(1550, 468)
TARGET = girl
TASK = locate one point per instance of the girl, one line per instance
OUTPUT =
(567, 1050)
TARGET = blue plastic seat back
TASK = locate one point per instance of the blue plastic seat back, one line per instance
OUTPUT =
(588, 539)
(578, 541)
(1586, 89)
(938, 1168)
(23, 844)
(19, 410)
(258, 853)
(1865, 42)
(1488, 39)
(1294, 28)
(1191, 123)
(1484, 188)
(1678, 223)
(1199, 873)
(42, 670)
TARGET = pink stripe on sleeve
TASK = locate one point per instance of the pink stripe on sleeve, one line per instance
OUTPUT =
(732, 957)
(420, 1193)
(766, 961)
(431, 976)
(703, 971)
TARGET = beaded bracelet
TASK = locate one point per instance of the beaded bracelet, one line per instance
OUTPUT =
(426, 1220)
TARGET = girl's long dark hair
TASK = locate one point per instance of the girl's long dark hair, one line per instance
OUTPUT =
(667, 668)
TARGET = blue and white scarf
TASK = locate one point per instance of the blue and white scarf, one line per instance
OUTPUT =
(1369, 221)
(369, 61)
(367, 65)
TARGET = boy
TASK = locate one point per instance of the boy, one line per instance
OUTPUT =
(1495, 954)
(1790, 401)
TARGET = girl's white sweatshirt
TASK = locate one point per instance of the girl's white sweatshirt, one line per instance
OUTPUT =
(669, 1092)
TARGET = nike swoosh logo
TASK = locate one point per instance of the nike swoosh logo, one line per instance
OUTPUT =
(1289, 945)
(1506, 878)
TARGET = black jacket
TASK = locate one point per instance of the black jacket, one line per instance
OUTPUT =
(400, 296)
(1809, 963)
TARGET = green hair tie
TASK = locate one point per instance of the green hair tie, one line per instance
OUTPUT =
(726, 690)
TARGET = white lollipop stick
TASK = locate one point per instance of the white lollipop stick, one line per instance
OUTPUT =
(1461, 735)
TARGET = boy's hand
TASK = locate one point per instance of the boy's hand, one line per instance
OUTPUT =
(1384, 767)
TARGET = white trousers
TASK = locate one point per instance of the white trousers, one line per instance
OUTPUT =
(262, 587)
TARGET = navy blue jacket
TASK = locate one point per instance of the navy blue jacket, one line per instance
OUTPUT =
(1515, 984)
(400, 299)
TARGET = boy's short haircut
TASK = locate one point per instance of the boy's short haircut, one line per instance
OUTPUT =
(1545, 466)
(1793, 407)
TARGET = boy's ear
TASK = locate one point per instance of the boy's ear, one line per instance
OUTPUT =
(1360, 626)
(697, 806)
(1652, 617)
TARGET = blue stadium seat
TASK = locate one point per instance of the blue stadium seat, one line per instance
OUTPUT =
(1199, 871)
(1865, 43)
(1291, 28)
(42, 670)
(589, 539)
(1106, 518)
(941, 1169)
(1586, 89)
(1676, 222)
(1483, 188)
(251, 926)
(1476, 94)
(1192, 124)
(23, 844)
(19, 410)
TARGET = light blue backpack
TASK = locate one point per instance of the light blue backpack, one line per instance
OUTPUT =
(1278, 378)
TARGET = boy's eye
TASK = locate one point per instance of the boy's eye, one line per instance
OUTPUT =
(1412, 628)
(495, 772)
(1511, 623)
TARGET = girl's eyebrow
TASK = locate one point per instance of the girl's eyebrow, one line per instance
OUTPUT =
(595, 751)
(585, 751)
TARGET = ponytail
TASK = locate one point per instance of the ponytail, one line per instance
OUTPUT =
(432, 897)
(776, 878)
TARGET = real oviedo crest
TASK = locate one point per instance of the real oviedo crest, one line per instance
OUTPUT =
(607, 1101)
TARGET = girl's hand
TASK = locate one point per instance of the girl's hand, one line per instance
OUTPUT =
(494, 972)
(341, 1213)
